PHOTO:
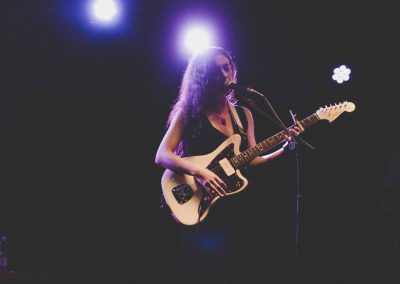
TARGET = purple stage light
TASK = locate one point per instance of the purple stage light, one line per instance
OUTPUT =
(196, 39)
(104, 12)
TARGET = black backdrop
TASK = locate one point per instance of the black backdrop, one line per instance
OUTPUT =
(82, 113)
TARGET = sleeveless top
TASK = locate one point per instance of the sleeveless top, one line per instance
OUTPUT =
(209, 138)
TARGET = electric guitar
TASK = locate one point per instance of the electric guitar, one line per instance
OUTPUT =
(190, 202)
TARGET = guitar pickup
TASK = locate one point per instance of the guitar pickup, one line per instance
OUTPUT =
(227, 167)
(182, 193)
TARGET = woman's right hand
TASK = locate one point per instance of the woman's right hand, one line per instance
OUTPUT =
(211, 181)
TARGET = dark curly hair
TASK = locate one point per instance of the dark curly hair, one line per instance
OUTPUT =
(196, 88)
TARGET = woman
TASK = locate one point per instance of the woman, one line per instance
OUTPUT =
(201, 119)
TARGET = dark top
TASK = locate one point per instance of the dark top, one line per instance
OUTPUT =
(209, 138)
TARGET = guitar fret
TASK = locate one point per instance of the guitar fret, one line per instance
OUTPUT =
(234, 161)
(310, 120)
(249, 154)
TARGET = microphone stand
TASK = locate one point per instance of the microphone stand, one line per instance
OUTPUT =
(292, 146)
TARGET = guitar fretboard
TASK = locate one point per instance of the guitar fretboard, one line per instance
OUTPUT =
(269, 143)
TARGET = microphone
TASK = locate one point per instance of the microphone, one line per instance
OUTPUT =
(234, 86)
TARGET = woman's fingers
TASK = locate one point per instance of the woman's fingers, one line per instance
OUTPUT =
(221, 182)
(217, 187)
(216, 184)
(295, 130)
(212, 182)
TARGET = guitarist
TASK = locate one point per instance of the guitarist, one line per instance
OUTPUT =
(203, 116)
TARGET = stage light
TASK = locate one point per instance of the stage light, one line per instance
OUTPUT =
(341, 74)
(104, 12)
(197, 39)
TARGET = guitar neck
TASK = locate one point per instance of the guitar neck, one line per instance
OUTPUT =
(269, 143)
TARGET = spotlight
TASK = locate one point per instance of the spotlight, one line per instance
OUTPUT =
(104, 12)
(197, 39)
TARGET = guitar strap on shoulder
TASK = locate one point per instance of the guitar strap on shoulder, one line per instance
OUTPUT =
(236, 118)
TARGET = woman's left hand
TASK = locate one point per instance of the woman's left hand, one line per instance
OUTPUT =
(295, 131)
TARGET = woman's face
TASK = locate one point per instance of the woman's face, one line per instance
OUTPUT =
(224, 73)
(219, 76)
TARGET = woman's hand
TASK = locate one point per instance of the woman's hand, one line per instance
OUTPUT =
(211, 181)
(295, 131)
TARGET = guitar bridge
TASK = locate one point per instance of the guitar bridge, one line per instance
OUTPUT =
(182, 193)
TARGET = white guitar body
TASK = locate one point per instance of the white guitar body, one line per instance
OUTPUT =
(194, 207)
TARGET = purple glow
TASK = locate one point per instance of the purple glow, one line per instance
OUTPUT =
(182, 27)
(104, 12)
(196, 37)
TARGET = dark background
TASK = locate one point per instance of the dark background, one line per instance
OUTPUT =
(82, 111)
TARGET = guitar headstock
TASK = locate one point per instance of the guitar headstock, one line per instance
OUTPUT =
(331, 112)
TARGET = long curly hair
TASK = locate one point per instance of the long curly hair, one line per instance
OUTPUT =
(195, 93)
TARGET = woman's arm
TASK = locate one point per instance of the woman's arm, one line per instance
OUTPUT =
(167, 158)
